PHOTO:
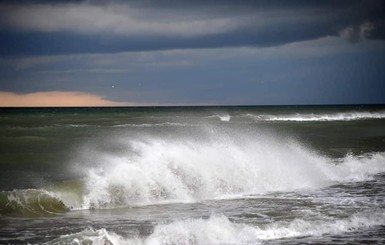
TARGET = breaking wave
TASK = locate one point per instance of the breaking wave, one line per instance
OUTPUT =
(219, 229)
(153, 170)
(145, 170)
(31, 202)
(314, 117)
(147, 125)
(91, 236)
(224, 117)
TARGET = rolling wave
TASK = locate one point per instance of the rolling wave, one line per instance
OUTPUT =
(219, 229)
(146, 170)
(147, 125)
(314, 117)
(157, 170)
(31, 202)
(224, 117)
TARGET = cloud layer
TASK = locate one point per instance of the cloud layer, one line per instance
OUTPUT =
(201, 52)
(92, 27)
(116, 19)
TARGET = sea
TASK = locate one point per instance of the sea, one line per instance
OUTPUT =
(193, 175)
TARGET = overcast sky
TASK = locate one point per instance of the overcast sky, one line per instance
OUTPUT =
(201, 52)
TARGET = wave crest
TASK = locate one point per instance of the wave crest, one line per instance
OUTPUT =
(30, 202)
(156, 170)
(218, 229)
(318, 117)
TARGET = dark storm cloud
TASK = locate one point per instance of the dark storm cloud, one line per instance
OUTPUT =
(61, 27)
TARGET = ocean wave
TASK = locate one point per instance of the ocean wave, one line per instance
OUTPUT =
(31, 202)
(74, 125)
(314, 117)
(153, 170)
(218, 229)
(224, 117)
(147, 125)
(92, 236)
(158, 170)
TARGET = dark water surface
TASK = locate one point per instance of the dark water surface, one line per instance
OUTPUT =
(193, 175)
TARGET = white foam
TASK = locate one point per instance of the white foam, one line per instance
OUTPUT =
(299, 227)
(148, 125)
(92, 236)
(155, 170)
(215, 230)
(77, 125)
(313, 117)
(218, 229)
(224, 117)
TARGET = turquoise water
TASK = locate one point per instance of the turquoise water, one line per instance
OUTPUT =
(192, 175)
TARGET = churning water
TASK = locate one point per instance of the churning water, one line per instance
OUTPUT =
(193, 175)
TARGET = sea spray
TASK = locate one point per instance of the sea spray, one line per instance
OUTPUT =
(156, 169)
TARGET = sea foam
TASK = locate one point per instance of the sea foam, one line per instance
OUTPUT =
(314, 117)
(152, 170)
(219, 229)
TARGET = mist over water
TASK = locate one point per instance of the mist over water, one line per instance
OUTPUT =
(238, 175)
